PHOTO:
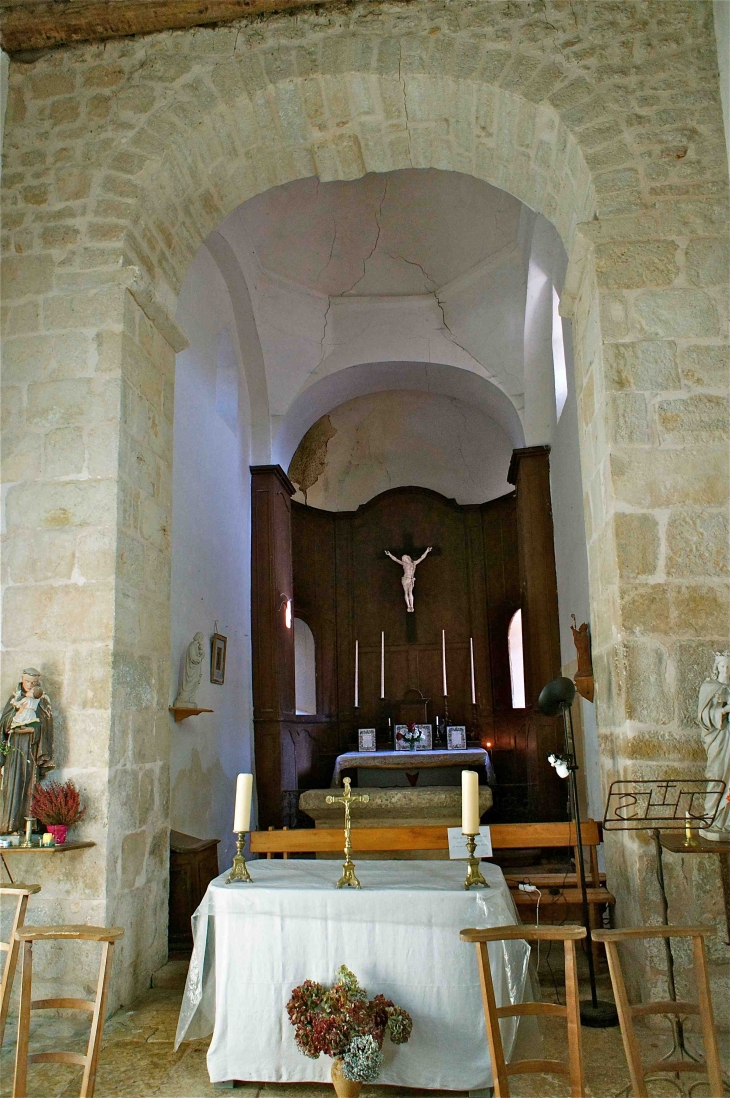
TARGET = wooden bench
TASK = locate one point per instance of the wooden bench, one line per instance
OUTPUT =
(555, 888)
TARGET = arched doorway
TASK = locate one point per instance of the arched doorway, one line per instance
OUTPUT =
(210, 118)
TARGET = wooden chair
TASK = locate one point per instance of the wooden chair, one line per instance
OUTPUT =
(21, 894)
(568, 935)
(27, 935)
(628, 1011)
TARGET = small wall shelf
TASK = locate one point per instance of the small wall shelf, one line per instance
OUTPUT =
(63, 848)
(38, 849)
(180, 712)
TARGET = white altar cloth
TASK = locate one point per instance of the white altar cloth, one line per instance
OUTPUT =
(400, 936)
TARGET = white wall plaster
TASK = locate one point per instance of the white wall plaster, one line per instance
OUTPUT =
(394, 439)
(210, 557)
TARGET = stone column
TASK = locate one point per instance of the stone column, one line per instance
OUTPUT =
(272, 585)
(649, 298)
(88, 456)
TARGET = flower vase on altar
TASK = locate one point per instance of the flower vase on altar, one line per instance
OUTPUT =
(344, 1088)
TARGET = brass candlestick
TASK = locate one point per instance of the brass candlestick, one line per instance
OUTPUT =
(348, 878)
(473, 877)
(239, 869)
(29, 821)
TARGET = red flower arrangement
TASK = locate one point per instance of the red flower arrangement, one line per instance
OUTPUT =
(58, 807)
(343, 1023)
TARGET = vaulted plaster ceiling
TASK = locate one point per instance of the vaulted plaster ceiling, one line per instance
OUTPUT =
(414, 266)
(400, 233)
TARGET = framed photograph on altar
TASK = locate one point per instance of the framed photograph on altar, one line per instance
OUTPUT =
(218, 645)
(399, 743)
(456, 737)
(366, 739)
(426, 741)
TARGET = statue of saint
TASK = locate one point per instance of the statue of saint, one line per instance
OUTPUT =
(409, 574)
(712, 713)
(192, 674)
(26, 735)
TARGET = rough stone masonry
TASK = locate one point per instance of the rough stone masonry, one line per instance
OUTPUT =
(121, 157)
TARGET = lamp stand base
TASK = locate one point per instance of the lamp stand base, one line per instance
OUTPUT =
(601, 1016)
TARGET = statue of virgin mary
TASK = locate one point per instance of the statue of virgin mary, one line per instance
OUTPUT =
(712, 713)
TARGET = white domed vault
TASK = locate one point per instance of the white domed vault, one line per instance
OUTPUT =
(394, 333)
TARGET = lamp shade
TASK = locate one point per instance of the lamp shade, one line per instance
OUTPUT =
(556, 697)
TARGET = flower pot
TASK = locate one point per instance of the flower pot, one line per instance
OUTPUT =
(59, 832)
(344, 1088)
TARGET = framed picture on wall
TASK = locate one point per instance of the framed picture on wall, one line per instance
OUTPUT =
(366, 739)
(456, 737)
(218, 645)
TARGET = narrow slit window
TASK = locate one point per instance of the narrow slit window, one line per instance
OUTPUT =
(305, 668)
(559, 370)
(516, 660)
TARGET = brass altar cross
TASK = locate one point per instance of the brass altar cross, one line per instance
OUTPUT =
(348, 878)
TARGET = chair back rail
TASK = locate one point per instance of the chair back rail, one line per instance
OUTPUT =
(503, 836)
(627, 1011)
(573, 1068)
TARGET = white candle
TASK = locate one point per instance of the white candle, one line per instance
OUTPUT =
(443, 661)
(357, 674)
(382, 665)
(469, 802)
(242, 811)
(471, 657)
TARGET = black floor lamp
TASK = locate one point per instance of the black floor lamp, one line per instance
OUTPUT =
(557, 697)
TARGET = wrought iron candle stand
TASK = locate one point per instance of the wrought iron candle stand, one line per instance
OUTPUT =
(661, 807)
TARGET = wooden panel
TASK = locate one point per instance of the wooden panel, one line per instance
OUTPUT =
(504, 837)
(272, 642)
(345, 588)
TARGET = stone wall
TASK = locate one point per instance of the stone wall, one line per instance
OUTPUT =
(120, 159)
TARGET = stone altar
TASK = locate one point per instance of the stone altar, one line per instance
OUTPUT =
(437, 805)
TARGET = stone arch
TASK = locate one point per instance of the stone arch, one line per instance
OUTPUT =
(121, 158)
(502, 137)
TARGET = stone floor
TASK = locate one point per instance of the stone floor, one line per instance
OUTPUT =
(138, 1060)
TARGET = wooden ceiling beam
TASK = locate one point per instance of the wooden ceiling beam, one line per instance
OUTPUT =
(46, 24)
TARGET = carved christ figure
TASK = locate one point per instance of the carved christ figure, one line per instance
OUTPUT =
(408, 578)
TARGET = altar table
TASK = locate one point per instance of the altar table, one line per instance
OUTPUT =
(400, 936)
(411, 760)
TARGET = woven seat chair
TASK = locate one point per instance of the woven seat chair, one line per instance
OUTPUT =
(501, 1070)
(26, 936)
(21, 893)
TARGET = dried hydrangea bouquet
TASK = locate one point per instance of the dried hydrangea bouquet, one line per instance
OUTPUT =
(343, 1023)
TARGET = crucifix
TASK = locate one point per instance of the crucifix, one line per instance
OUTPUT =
(408, 579)
(348, 878)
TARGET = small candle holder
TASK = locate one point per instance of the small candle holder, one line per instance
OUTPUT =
(474, 878)
(239, 869)
(29, 824)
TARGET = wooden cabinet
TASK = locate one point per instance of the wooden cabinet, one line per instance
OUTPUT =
(193, 865)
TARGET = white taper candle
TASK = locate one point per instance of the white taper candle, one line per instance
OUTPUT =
(357, 673)
(382, 665)
(443, 661)
(473, 686)
(242, 811)
(469, 802)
